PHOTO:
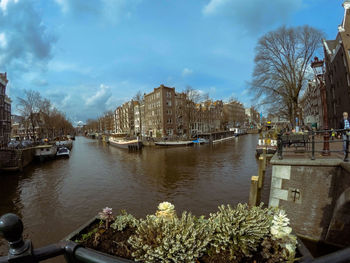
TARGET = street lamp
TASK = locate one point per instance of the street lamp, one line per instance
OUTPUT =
(317, 66)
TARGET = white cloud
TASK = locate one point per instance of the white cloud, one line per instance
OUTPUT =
(4, 3)
(100, 97)
(60, 66)
(251, 15)
(186, 72)
(3, 41)
(213, 6)
(25, 41)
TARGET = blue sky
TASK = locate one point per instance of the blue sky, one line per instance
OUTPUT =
(90, 56)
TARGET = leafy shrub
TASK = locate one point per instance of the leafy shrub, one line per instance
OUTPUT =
(239, 231)
(124, 220)
(170, 240)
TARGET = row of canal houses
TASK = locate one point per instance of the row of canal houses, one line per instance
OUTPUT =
(165, 112)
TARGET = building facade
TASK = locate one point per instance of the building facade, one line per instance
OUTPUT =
(5, 112)
(160, 112)
(252, 117)
(234, 114)
(311, 105)
(337, 73)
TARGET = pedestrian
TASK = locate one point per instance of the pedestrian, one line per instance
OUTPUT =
(345, 125)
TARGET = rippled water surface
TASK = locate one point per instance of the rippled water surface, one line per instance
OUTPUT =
(54, 198)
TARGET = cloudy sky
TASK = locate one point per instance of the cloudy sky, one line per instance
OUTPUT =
(89, 56)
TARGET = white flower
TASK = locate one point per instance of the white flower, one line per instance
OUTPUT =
(165, 210)
(166, 206)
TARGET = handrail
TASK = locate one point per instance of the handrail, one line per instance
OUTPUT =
(326, 141)
(11, 228)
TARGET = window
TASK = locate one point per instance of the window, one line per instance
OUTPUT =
(168, 94)
(348, 79)
(169, 121)
(168, 102)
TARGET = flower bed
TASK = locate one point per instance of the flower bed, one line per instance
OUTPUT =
(239, 234)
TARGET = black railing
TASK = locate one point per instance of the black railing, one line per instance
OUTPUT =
(21, 251)
(307, 139)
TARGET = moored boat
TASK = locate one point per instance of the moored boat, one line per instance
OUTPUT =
(64, 142)
(63, 152)
(125, 144)
(174, 143)
(44, 152)
(269, 145)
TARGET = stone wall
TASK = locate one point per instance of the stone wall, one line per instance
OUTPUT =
(16, 159)
(309, 191)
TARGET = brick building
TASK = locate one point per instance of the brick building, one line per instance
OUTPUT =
(124, 118)
(234, 114)
(337, 78)
(160, 112)
(311, 105)
(252, 117)
(5, 112)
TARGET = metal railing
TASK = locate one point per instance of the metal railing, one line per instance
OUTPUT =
(308, 139)
(21, 251)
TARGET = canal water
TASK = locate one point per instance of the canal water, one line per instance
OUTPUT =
(56, 197)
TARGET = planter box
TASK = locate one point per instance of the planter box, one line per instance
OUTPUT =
(83, 228)
(302, 252)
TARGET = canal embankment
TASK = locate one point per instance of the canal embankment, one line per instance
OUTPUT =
(57, 197)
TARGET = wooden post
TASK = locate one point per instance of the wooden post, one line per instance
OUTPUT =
(265, 159)
(260, 171)
(253, 195)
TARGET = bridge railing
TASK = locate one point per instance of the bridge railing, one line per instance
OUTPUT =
(311, 139)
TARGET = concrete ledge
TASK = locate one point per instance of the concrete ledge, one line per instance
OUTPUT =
(303, 161)
(345, 166)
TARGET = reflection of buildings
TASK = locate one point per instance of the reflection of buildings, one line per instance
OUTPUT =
(312, 106)
(5, 112)
(337, 71)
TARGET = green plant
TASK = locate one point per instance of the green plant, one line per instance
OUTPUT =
(124, 220)
(239, 231)
(280, 246)
(86, 236)
(106, 215)
(170, 239)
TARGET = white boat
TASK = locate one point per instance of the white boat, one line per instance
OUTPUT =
(63, 152)
(125, 144)
(65, 143)
(174, 143)
(43, 152)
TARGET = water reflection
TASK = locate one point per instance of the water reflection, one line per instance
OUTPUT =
(54, 198)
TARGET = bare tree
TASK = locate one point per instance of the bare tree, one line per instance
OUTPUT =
(281, 65)
(29, 107)
(192, 97)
